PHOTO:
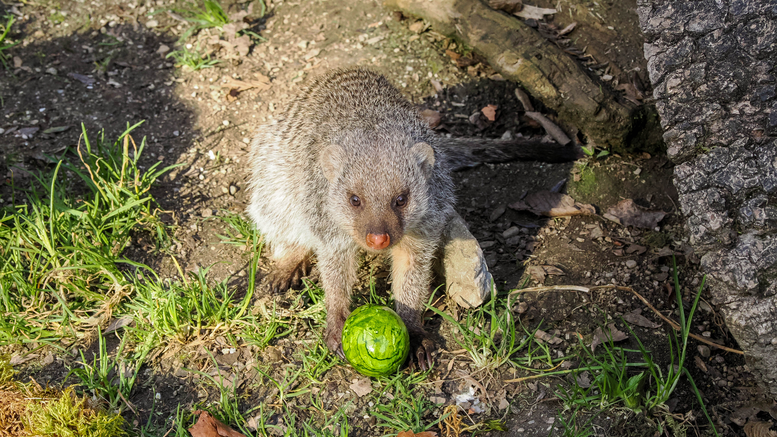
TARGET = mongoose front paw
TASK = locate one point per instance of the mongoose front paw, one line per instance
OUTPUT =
(421, 349)
(333, 339)
(281, 280)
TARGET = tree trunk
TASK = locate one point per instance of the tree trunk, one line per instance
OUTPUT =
(712, 65)
(520, 54)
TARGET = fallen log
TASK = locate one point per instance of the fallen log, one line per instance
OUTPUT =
(520, 54)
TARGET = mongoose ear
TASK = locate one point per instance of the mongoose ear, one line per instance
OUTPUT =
(424, 155)
(331, 161)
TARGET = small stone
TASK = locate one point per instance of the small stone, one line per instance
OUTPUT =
(152, 24)
(704, 351)
(497, 212)
(52, 71)
(706, 334)
(232, 189)
(163, 49)
(511, 232)
(207, 212)
(631, 263)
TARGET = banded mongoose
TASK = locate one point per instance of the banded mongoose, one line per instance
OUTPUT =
(352, 167)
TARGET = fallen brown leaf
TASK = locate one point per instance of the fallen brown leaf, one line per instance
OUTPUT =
(509, 6)
(361, 387)
(628, 213)
(533, 12)
(242, 85)
(209, 426)
(601, 337)
(490, 112)
(410, 433)
(453, 55)
(552, 205)
(757, 428)
(567, 29)
(640, 320)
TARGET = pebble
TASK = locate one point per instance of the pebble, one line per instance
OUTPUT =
(631, 263)
(207, 212)
(511, 232)
(704, 351)
(152, 24)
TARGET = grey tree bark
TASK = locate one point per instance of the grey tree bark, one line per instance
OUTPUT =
(713, 65)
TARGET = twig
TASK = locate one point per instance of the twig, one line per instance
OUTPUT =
(551, 128)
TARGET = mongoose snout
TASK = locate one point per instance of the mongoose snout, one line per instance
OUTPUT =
(378, 241)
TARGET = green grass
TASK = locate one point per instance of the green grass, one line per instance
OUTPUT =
(62, 269)
(110, 380)
(210, 15)
(491, 337)
(5, 45)
(406, 408)
(643, 386)
(192, 58)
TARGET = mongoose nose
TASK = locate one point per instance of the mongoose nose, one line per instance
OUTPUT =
(378, 241)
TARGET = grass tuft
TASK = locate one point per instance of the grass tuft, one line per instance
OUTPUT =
(62, 272)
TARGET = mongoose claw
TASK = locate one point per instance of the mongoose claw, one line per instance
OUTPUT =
(422, 348)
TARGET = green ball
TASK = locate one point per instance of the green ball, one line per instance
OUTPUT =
(375, 340)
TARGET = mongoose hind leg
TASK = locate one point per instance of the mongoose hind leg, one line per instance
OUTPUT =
(411, 276)
(338, 276)
(290, 266)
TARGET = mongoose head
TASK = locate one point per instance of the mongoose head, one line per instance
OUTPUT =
(378, 186)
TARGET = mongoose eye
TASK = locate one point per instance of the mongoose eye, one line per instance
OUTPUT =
(355, 201)
(401, 200)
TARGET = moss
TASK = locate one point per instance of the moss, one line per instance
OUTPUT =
(587, 185)
(656, 239)
(69, 416)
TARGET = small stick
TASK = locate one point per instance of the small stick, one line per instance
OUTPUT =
(550, 127)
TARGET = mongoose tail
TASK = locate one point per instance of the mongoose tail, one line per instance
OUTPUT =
(461, 153)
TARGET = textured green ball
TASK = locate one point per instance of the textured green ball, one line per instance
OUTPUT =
(375, 340)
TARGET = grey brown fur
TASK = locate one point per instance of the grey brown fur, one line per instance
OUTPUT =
(351, 133)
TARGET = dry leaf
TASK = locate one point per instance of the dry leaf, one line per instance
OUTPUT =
(242, 85)
(639, 320)
(628, 213)
(417, 27)
(361, 387)
(547, 338)
(490, 112)
(431, 117)
(21, 359)
(209, 426)
(410, 433)
(436, 84)
(567, 29)
(700, 363)
(509, 6)
(552, 205)
(757, 428)
(601, 337)
(537, 273)
(533, 12)
(453, 55)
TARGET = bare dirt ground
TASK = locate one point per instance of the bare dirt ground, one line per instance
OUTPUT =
(102, 63)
